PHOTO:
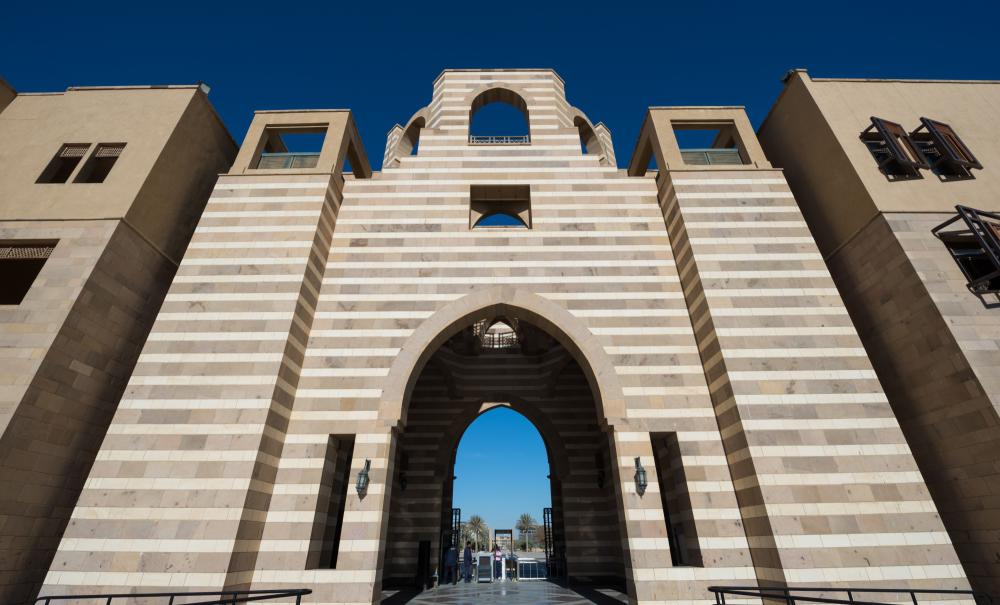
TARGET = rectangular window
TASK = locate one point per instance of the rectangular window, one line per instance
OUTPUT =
(291, 147)
(898, 156)
(335, 482)
(676, 499)
(62, 165)
(500, 207)
(100, 163)
(20, 264)
(947, 154)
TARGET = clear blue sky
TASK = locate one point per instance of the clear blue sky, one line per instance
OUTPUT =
(499, 490)
(379, 59)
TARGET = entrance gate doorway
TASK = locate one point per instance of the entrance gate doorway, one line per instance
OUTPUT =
(529, 371)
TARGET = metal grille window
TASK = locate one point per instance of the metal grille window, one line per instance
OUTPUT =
(707, 144)
(64, 163)
(100, 163)
(898, 156)
(947, 154)
(291, 147)
(711, 157)
(20, 264)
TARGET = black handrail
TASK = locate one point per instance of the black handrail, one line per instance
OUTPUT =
(786, 594)
(223, 597)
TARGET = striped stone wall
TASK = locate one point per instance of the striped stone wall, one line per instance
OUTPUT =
(936, 348)
(179, 491)
(828, 488)
(66, 353)
(307, 307)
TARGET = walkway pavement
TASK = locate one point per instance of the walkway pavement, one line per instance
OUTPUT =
(508, 593)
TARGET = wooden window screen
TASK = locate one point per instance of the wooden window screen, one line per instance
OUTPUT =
(74, 150)
(25, 252)
(109, 150)
(901, 147)
(951, 147)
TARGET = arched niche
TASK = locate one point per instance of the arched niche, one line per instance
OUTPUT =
(507, 96)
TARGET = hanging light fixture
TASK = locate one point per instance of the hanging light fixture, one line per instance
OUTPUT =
(640, 477)
(363, 477)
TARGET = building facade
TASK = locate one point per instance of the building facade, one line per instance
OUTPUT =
(710, 413)
(100, 191)
(921, 294)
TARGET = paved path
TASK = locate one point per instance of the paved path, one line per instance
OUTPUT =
(510, 593)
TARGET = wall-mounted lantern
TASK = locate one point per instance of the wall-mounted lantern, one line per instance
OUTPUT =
(363, 477)
(640, 477)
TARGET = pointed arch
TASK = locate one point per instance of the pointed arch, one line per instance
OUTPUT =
(558, 457)
(498, 301)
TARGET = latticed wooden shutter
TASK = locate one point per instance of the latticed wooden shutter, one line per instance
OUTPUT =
(902, 148)
(109, 150)
(35, 251)
(994, 230)
(953, 150)
(74, 150)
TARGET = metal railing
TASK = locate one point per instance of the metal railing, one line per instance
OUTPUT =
(790, 598)
(711, 157)
(523, 139)
(226, 597)
(287, 160)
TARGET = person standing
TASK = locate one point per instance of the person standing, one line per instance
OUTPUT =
(497, 562)
(467, 562)
(451, 565)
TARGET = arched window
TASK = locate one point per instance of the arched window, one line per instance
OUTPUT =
(499, 116)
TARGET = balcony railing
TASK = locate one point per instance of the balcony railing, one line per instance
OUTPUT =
(835, 595)
(524, 139)
(711, 157)
(278, 161)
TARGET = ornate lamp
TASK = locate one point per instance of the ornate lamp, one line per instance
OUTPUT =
(362, 484)
(640, 477)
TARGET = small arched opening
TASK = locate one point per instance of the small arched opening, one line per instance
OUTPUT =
(499, 116)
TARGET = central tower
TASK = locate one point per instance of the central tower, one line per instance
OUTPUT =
(710, 413)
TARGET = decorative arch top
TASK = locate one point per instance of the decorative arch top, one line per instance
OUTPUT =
(502, 301)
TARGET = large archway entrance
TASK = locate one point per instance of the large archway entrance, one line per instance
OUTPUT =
(501, 356)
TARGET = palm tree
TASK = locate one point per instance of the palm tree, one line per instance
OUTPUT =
(525, 523)
(477, 529)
